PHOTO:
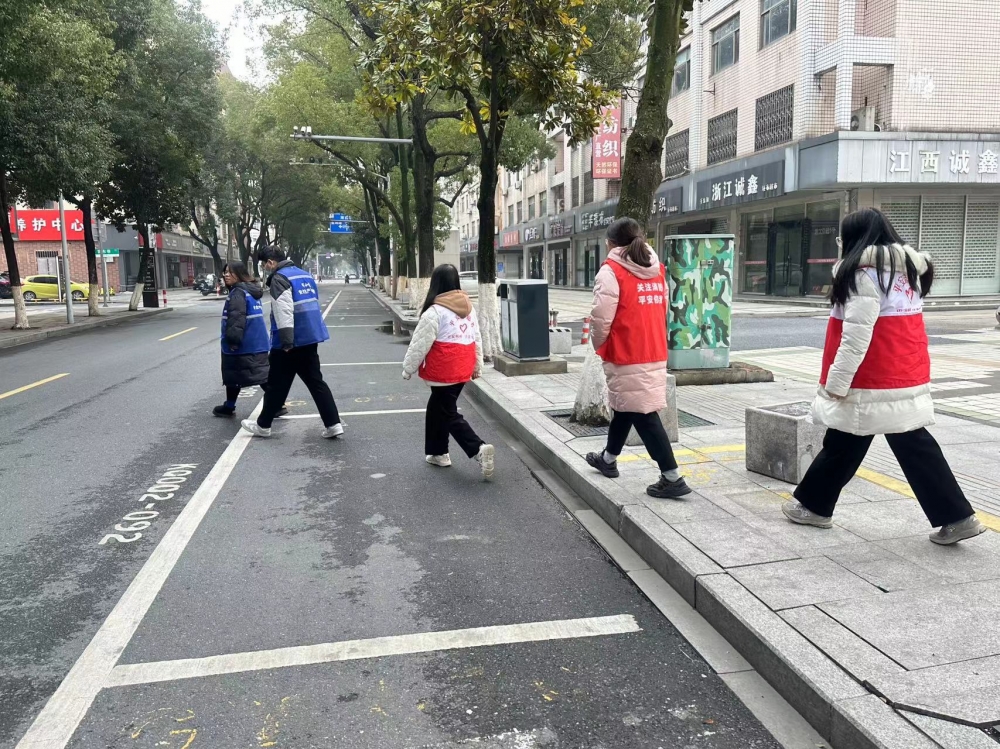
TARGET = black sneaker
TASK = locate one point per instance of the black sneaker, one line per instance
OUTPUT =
(596, 460)
(664, 489)
(224, 410)
(281, 412)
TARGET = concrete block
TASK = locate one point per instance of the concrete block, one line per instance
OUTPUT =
(668, 416)
(514, 368)
(799, 582)
(782, 441)
(560, 341)
(868, 723)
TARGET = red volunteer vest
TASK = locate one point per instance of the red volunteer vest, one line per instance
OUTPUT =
(639, 331)
(897, 356)
(452, 358)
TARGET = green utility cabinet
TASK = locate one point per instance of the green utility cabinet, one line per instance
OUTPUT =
(699, 318)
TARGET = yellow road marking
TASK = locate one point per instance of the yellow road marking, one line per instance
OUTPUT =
(33, 385)
(177, 334)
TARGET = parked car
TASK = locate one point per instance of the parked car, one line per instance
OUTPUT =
(5, 292)
(47, 287)
(469, 280)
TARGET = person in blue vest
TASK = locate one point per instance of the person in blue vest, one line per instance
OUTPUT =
(245, 339)
(297, 329)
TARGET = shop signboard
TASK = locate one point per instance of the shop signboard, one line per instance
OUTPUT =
(668, 203)
(511, 238)
(34, 225)
(534, 234)
(600, 219)
(607, 145)
(927, 161)
(560, 227)
(745, 186)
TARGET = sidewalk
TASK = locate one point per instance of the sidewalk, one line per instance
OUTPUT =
(841, 621)
(52, 323)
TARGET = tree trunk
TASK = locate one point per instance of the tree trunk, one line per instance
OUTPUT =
(144, 260)
(489, 312)
(87, 207)
(591, 405)
(641, 172)
(20, 311)
(406, 230)
(424, 163)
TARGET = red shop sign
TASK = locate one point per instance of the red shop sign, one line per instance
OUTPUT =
(607, 144)
(34, 225)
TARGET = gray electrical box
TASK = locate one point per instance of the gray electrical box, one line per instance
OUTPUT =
(524, 318)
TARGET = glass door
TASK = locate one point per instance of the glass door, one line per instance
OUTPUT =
(787, 256)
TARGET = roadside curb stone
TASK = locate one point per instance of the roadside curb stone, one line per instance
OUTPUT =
(10, 339)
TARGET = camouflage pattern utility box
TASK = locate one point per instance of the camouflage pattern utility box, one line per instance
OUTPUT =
(700, 273)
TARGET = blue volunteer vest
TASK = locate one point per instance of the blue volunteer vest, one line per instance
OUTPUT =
(309, 325)
(255, 337)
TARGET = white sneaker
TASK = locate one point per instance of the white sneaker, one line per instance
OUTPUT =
(256, 430)
(439, 460)
(485, 458)
(955, 532)
(795, 512)
(335, 431)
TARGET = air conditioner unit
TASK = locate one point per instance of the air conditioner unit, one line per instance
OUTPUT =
(863, 119)
(560, 205)
(517, 184)
(631, 123)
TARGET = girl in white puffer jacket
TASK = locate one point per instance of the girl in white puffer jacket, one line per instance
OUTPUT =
(876, 380)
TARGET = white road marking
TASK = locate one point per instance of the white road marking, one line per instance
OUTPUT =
(359, 413)
(377, 476)
(378, 647)
(330, 305)
(362, 364)
(59, 719)
(369, 325)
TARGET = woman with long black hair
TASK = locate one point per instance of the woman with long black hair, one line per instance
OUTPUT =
(446, 350)
(876, 380)
(246, 340)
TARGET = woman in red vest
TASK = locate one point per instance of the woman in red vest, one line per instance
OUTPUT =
(446, 350)
(629, 331)
(876, 380)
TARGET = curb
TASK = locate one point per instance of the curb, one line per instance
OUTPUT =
(840, 708)
(83, 326)
(405, 323)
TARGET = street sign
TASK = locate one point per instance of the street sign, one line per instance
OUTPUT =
(340, 227)
(339, 217)
(108, 252)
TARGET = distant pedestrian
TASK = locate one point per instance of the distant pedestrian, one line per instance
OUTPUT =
(629, 330)
(297, 329)
(245, 340)
(446, 350)
(876, 380)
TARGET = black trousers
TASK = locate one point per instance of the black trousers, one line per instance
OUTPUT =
(304, 362)
(443, 419)
(651, 432)
(919, 456)
(233, 391)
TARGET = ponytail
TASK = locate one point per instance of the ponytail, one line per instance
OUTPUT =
(626, 233)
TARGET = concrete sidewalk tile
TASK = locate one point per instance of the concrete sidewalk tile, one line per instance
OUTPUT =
(927, 627)
(713, 647)
(710, 475)
(877, 521)
(872, 492)
(755, 500)
(796, 668)
(868, 723)
(969, 561)
(849, 651)
(616, 547)
(775, 713)
(732, 543)
(758, 480)
(882, 568)
(691, 507)
(799, 582)
(584, 445)
(950, 735)
(803, 539)
(666, 551)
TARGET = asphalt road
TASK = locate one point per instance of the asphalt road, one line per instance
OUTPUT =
(303, 542)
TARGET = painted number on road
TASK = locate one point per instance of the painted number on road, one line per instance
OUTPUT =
(166, 487)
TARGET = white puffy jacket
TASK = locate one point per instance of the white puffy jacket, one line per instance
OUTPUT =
(876, 354)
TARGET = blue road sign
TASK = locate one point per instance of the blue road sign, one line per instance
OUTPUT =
(339, 217)
(340, 227)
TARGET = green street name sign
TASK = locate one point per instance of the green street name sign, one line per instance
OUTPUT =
(108, 252)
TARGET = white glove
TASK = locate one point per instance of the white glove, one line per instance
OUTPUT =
(406, 375)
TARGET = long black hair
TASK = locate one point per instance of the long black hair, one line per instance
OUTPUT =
(239, 271)
(864, 228)
(626, 232)
(443, 279)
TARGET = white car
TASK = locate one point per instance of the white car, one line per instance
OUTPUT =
(469, 280)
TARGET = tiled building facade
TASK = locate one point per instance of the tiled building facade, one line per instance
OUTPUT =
(785, 115)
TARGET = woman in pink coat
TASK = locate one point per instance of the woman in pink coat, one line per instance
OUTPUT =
(629, 331)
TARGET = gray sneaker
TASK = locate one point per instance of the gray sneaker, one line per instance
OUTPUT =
(955, 532)
(256, 430)
(795, 512)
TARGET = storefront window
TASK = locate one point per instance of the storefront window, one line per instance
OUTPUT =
(509, 264)
(535, 269)
(588, 258)
(753, 252)
(558, 270)
(824, 226)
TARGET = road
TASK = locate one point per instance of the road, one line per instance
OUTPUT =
(296, 557)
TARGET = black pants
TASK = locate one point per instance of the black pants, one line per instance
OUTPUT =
(443, 419)
(233, 392)
(304, 362)
(651, 432)
(919, 456)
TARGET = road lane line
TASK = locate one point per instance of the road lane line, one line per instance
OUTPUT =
(378, 647)
(33, 385)
(362, 364)
(330, 305)
(359, 413)
(177, 334)
(57, 722)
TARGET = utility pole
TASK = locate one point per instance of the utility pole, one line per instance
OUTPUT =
(65, 252)
(104, 259)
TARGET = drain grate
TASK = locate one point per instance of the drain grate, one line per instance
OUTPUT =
(684, 421)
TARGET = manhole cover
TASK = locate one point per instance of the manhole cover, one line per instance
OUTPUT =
(684, 421)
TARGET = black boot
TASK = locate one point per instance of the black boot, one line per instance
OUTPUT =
(596, 460)
(224, 410)
(664, 489)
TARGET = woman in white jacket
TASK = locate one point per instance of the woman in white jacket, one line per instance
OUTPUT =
(876, 380)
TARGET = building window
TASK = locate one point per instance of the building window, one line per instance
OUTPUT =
(558, 199)
(531, 207)
(576, 192)
(614, 189)
(588, 187)
(542, 207)
(682, 72)
(510, 215)
(773, 121)
(777, 19)
(722, 137)
(520, 211)
(726, 44)
(676, 149)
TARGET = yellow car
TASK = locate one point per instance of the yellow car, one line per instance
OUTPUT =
(47, 287)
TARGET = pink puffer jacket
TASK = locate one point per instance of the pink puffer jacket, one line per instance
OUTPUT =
(636, 388)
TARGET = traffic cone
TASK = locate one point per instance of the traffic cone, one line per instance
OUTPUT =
(585, 338)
